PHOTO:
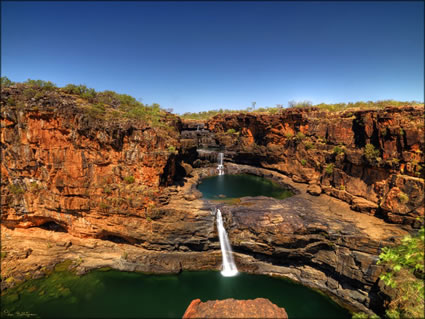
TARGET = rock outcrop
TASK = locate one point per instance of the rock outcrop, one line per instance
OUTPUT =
(65, 169)
(372, 159)
(231, 308)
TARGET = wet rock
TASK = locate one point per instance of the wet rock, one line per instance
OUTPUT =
(231, 308)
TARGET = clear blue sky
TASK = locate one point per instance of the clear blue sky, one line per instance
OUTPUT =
(193, 56)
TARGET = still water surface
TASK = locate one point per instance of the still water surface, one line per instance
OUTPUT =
(115, 294)
(235, 186)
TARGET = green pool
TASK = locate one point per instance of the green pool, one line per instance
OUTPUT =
(235, 186)
(115, 294)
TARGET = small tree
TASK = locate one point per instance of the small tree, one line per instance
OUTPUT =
(405, 274)
(329, 169)
(371, 153)
(5, 82)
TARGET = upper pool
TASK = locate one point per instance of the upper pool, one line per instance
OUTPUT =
(235, 186)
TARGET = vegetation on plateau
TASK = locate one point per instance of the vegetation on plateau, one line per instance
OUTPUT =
(105, 105)
(333, 107)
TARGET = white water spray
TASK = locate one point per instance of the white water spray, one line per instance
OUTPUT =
(220, 166)
(229, 267)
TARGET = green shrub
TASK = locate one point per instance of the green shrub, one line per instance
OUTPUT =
(5, 82)
(395, 161)
(308, 145)
(104, 206)
(289, 135)
(231, 131)
(404, 275)
(40, 84)
(16, 189)
(329, 168)
(303, 162)
(35, 187)
(300, 136)
(76, 89)
(172, 149)
(363, 315)
(371, 153)
(299, 104)
(403, 198)
(96, 110)
(338, 150)
(11, 101)
(29, 93)
(129, 179)
(107, 190)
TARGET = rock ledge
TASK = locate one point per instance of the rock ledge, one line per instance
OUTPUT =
(231, 308)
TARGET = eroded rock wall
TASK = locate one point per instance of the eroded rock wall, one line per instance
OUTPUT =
(372, 159)
(65, 170)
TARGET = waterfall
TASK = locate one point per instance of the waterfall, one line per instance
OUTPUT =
(229, 268)
(220, 166)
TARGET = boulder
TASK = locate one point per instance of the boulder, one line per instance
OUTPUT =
(314, 189)
(363, 205)
(187, 168)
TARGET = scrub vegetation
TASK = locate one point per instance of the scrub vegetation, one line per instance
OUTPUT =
(404, 278)
(333, 107)
(106, 105)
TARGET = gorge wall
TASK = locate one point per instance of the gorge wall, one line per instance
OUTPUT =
(372, 159)
(122, 193)
(66, 170)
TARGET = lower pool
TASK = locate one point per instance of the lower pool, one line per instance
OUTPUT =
(116, 294)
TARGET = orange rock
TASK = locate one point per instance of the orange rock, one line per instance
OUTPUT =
(231, 308)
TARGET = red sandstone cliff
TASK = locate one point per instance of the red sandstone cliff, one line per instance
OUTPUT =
(333, 152)
(105, 179)
(91, 177)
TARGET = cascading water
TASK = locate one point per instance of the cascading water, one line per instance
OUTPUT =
(229, 267)
(220, 166)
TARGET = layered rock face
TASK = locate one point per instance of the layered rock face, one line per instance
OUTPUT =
(105, 193)
(65, 170)
(231, 308)
(317, 241)
(372, 159)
